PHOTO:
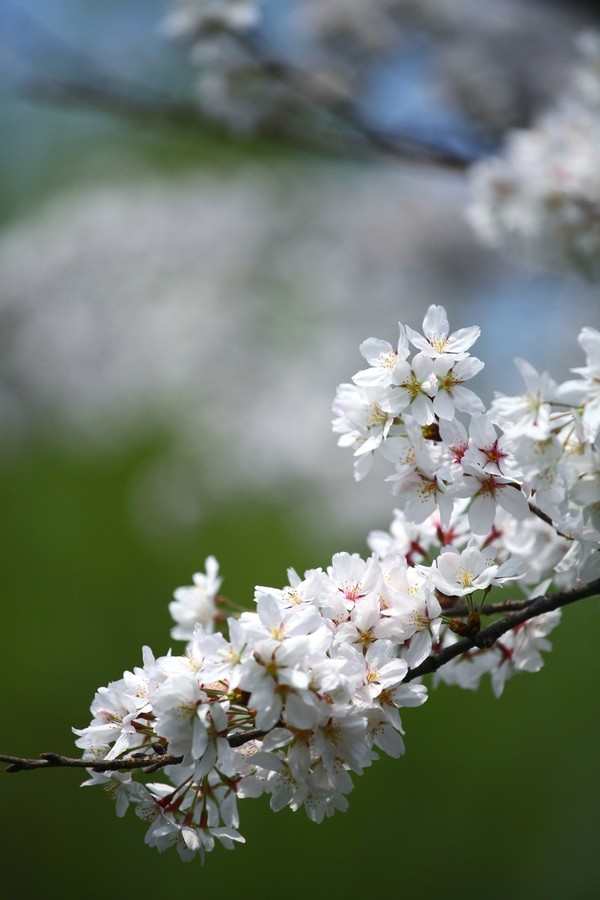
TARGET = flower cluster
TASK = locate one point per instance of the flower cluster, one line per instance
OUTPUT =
(291, 699)
(465, 566)
(541, 197)
(305, 689)
(527, 468)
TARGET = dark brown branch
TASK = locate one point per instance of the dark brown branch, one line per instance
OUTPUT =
(137, 761)
(488, 636)
(488, 609)
(483, 640)
(57, 761)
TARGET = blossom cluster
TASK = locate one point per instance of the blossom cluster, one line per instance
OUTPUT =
(527, 551)
(541, 196)
(305, 688)
(294, 697)
(300, 695)
(528, 468)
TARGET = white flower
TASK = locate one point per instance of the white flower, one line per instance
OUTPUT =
(365, 625)
(451, 395)
(280, 622)
(195, 605)
(176, 706)
(487, 491)
(420, 486)
(528, 413)
(278, 684)
(364, 417)
(353, 577)
(384, 670)
(436, 340)
(412, 389)
(384, 361)
(415, 617)
(487, 451)
(459, 574)
(403, 539)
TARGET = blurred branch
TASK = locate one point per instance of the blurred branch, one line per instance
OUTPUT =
(101, 91)
(119, 102)
(321, 93)
(487, 637)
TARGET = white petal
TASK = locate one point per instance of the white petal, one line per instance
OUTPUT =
(513, 501)
(435, 323)
(462, 339)
(467, 401)
(481, 513)
(372, 349)
(443, 405)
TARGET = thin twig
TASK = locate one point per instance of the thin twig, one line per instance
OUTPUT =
(488, 609)
(548, 520)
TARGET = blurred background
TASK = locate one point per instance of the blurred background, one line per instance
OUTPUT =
(189, 259)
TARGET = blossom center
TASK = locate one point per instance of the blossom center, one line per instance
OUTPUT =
(421, 621)
(465, 578)
(413, 386)
(388, 360)
(352, 591)
(377, 416)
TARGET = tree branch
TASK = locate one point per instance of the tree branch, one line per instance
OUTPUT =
(320, 93)
(137, 761)
(488, 609)
(488, 636)
(483, 640)
(57, 761)
(547, 519)
(101, 91)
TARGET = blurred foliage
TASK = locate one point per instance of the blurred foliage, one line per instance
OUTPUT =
(494, 798)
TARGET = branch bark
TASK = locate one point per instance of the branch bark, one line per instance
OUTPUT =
(137, 761)
(488, 609)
